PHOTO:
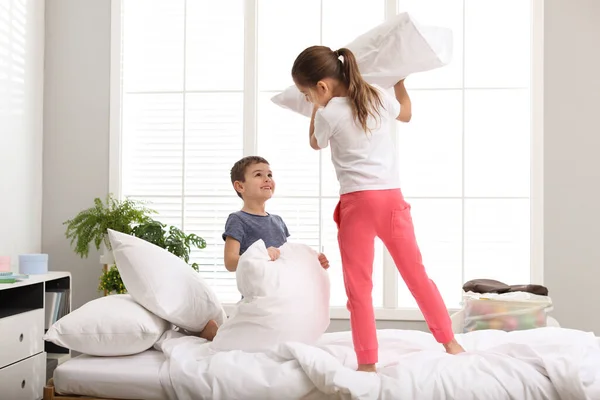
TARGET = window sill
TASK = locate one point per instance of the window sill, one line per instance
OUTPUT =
(381, 314)
(385, 314)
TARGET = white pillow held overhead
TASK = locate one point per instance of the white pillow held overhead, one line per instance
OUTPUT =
(400, 47)
(109, 326)
(386, 54)
(164, 283)
(284, 300)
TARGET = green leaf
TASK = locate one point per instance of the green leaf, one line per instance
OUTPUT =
(132, 217)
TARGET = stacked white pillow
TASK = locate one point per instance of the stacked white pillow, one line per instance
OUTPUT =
(386, 54)
(162, 291)
(109, 326)
(284, 300)
(164, 283)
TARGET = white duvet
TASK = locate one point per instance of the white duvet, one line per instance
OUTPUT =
(547, 363)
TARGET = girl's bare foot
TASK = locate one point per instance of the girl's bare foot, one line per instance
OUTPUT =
(210, 330)
(367, 368)
(453, 347)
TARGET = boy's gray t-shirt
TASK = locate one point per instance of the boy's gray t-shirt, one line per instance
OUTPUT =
(248, 228)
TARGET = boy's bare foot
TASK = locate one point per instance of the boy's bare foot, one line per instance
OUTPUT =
(453, 347)
(367, 368)
(210, 330)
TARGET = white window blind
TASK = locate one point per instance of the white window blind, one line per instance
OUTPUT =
(197, 81)
(183, 68)
(465, 156)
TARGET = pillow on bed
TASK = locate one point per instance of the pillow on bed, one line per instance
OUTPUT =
(109, 326)
(164, 283)
(386, 54)
(284, 300)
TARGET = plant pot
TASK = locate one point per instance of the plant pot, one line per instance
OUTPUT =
(107, 257)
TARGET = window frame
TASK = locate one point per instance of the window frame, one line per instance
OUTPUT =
(390, 309)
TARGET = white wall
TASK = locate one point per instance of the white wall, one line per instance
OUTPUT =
(572, 160)
(75, 129)
(76, 147)
(21, 112)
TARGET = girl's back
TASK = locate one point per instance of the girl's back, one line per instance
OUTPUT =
(363, 160)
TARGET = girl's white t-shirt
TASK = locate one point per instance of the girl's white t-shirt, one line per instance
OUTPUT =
(362, 160)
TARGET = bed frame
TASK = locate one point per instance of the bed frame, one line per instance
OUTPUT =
(50, 394)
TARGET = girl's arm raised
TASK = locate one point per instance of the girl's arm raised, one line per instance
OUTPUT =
(404, 100)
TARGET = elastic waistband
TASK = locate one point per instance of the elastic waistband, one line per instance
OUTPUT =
(371, 193)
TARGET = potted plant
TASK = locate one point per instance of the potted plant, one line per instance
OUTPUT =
(173, 239)
(130, 217)
(91, 225)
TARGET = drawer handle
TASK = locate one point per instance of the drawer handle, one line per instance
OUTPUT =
(21, 339)
(23, 384)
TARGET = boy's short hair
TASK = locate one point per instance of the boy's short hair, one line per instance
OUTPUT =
(238, 171)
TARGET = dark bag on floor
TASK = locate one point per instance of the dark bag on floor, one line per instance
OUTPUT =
(491, 286)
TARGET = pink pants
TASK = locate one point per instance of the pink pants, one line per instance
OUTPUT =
(360, 217)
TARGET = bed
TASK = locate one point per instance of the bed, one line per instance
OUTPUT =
(123, 378)
(546, 363)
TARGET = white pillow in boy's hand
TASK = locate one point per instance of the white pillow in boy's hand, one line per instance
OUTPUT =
(386, 54)
(284, 300)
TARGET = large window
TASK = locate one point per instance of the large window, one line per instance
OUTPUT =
(197, 78)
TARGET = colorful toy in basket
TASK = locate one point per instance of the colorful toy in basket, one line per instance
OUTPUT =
(508, 311)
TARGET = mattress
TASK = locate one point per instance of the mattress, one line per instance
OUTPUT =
(129, 377)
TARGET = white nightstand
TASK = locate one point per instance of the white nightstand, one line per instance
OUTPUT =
(22, 326)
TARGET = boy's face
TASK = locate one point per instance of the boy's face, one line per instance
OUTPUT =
(259, 183)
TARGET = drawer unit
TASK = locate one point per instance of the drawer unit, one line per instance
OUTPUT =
(21, 336)
(24, 380)
(23, 351)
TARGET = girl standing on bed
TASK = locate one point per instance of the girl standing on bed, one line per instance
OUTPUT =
(357, 120)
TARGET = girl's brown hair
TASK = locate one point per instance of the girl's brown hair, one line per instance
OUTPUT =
(319, 62)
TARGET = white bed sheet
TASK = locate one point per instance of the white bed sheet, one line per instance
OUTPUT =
(550, 363)
(546, 363)
(130, 377)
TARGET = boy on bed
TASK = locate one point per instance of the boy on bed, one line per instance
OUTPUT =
(253, 182)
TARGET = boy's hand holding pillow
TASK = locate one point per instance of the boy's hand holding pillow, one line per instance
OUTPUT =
(284, 300)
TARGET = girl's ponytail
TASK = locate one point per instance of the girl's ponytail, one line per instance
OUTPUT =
(364, 99)
(319, 62)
